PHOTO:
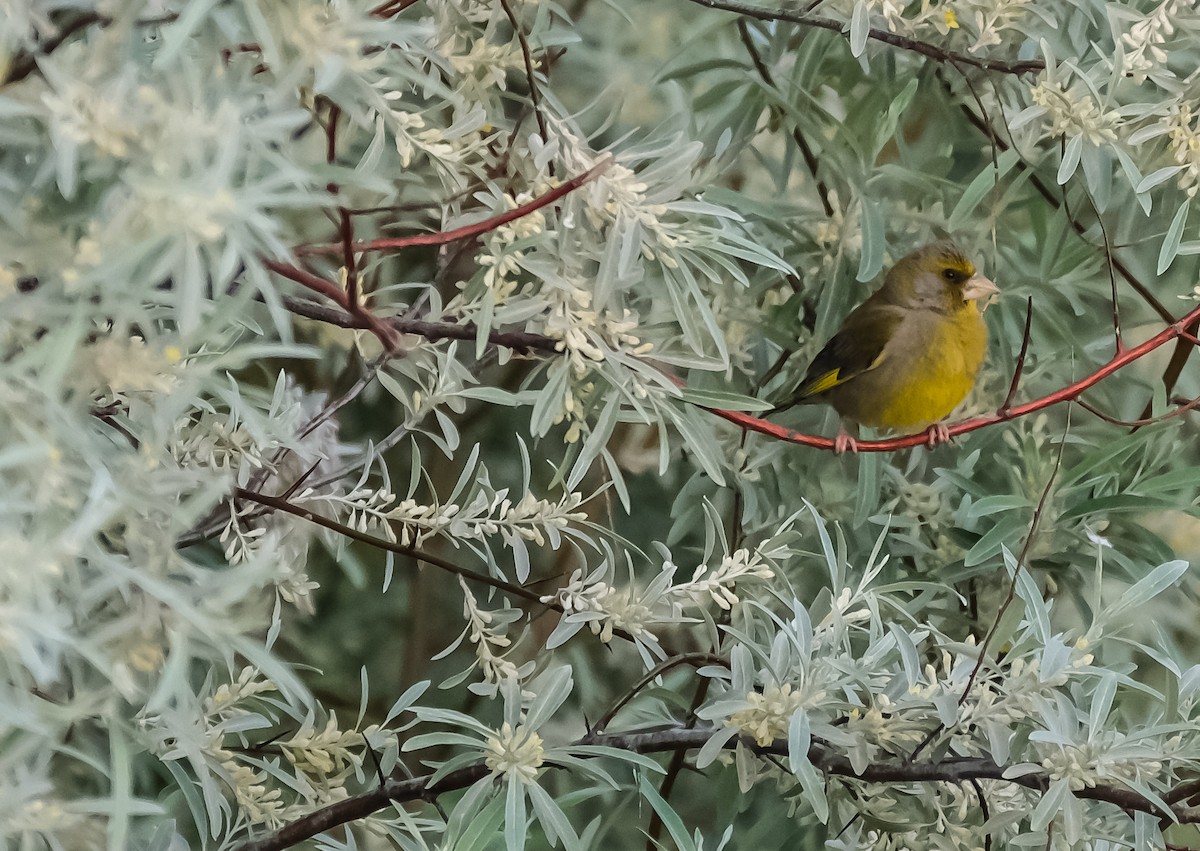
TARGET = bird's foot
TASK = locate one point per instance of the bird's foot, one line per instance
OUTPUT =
(844, 441)
(937, 433)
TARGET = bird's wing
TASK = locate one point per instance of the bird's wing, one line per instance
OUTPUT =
(859, 345)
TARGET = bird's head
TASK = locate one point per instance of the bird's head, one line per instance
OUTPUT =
(937, 277)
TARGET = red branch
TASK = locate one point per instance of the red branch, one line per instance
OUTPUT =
(443, 237)
(1176, 330)
(346, 298)
(381, 329)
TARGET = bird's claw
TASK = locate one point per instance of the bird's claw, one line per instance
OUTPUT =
(844, 441)
(937, 433)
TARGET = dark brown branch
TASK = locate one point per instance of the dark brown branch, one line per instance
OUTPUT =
(1182, 792)
(956, 770)
(280, 504)
(24, 64)
(520, 341)
(535, 95)
(1001, 66)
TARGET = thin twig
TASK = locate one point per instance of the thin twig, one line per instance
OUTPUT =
(983, 125)
(1182, 351)
(773, 370)
(1188, 405)
(810, 159)
(391, 8)
(467, 231)
(654, 829)
(983, 811)
(519, 341)
(1012, 590)
(535, 96)
(280, 504)
(760, 13)
(283, 505)
(1179, 359)
(1020, 365)
(993, 139)
(380, 328)
(653, 674)
(387, 336)
(1020, 565)
(1119, 343)
(26, 62)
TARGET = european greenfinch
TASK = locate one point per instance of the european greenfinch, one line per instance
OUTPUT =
(905, 357)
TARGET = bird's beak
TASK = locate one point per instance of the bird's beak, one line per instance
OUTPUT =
(979, 288)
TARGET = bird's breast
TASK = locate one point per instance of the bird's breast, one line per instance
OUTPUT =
(928, 367)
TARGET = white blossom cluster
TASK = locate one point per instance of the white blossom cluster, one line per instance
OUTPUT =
(976, 24)
(607, 607)
(852, 683)
(486, 632)
(484, 513)
(270, 778)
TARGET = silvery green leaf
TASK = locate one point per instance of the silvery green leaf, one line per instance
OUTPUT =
(1156, 177)
(670, 818)
(723, 400)
(1070, 159)
(514, 814)
(1170, 244)
(874, 241)
(860, 28)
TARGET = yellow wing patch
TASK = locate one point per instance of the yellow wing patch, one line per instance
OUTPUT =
(823, 382)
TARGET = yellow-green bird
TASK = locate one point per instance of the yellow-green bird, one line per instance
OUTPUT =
(905, 357)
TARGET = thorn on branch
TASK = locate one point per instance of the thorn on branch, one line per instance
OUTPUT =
(391, 8)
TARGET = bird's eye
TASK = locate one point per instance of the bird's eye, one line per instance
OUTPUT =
(951, 275)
